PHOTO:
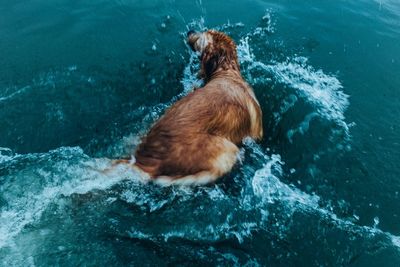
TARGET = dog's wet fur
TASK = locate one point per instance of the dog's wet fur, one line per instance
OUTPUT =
(196, 140)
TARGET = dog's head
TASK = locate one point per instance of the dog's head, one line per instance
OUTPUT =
(217, 50)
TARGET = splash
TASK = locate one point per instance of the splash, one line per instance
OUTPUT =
(267, 186)
(190, 79)
(70, 172)
(237, 218)
(5, 154)
(323, 91)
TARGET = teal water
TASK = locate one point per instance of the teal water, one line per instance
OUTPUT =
(81, 81)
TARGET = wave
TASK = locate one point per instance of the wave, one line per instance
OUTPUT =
(264, 203)
(15, 92)
(40, 179)
(237, 218)
(323, 91)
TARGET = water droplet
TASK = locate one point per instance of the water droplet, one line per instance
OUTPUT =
(376, 221)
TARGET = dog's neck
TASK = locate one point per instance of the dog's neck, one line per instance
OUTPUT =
(224, 73)
(225, 67)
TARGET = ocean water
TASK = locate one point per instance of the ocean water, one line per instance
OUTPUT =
(82, 81)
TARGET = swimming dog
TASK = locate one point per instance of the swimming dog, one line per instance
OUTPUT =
(196, 140)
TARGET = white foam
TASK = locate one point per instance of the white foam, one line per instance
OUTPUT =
(139, 235)
(320, 89)
(190, 79)
(267, 186)
(141, 198)
(27, 207)
(5, 154)
(323, 91)
(209, 233)
(395, 240)
(15, 93)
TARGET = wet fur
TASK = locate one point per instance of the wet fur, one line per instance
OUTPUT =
(196, 140)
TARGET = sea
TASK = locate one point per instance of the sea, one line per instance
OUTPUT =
(81, 81)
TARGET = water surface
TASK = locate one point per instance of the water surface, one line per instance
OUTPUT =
(82, 81)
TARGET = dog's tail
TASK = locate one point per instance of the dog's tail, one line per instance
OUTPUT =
(130, 163)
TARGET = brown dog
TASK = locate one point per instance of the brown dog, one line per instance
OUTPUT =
(196, 140)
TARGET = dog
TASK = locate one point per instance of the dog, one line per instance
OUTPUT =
(196, 140)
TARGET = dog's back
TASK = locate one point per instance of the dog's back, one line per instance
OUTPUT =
(197, 136)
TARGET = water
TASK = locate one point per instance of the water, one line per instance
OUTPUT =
(81, 81)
